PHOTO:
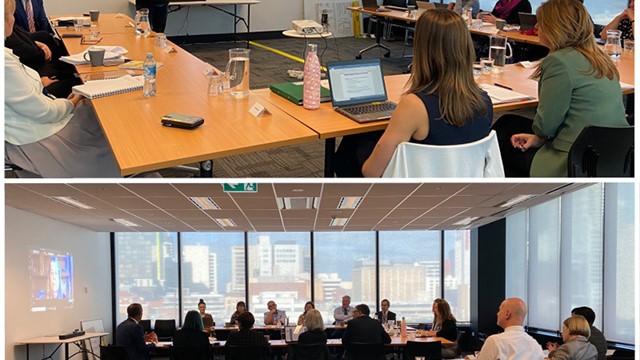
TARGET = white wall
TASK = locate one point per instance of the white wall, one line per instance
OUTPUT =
(92, 271)
(269, 15)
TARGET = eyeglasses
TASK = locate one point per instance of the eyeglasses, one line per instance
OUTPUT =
(86, 41)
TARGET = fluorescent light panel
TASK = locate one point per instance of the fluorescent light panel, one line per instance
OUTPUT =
(516, 200)
(204, 203)
(71, 201)
(349, 202)
(125, 222)
(225, 222)
(297, 203)
(338, 221)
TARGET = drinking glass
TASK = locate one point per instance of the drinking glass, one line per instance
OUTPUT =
(613, 46)
(94, 32)
(477, 70)
(238, 72)
(77, 24)
(487, 66)
(628, 45)
(215, 85)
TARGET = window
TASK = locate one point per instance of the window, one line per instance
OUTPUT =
(457, 277)
(279, 270)
(602, 12)
(147, 273)
(516, 253)
(344, 264)
(213, 270)
(410, 272)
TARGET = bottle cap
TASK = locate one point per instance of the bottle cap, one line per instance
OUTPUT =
(312, 47)
(149, 54)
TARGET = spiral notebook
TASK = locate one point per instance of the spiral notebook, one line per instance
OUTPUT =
(107, 87)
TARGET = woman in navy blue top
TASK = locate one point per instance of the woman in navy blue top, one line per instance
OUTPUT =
(443, 105)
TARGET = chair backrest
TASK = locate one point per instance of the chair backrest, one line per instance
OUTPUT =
(477, 159)
(245, 352)
(365, 351)
(113, 352)
(189, 353)
(165, 329)
(431, 350)
(602, 152)
(146, 325)
(309, 352)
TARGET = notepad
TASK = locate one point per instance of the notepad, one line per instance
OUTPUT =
(500, 95)
(107, 87)
(293, 91)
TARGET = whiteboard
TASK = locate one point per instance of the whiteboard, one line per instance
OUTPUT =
(93, 344)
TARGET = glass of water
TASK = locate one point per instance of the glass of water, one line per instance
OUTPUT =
(238, 72)
(487, 66)
(613, 46)
(77, 24)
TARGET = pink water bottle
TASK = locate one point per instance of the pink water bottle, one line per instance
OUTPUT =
(403, 328)
(311, 86)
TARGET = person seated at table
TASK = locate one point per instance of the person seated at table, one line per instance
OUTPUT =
(506, 10)
(575, 332)
(384, 314)
(192, 338)
(245, 336)
(623, 22)
(578, 86)
(240, 308)
(315, 333)
(442, 106)
(307, 306)
(597, 337)
(207, 319)
(363, 329)
(444, 326)
(129, 333)
(274, 316)
(343, 313)
(49, 137)
(459, 5)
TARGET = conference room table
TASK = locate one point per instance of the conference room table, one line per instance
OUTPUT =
(78, 341)
(107, 23)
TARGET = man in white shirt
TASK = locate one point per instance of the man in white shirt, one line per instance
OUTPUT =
(513, 343)
(274, 316)
(343, 313)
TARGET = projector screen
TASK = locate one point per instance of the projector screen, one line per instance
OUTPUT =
(51, 274)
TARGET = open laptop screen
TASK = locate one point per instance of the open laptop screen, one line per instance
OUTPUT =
(356, 82)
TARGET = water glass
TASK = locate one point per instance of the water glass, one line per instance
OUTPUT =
(94, 32)
(477, 70)
(238, 69)
(628, 45)
(77, 24)
(476, 24)
(613, 46)
(487, 66)
(161, 40)
(215, 85)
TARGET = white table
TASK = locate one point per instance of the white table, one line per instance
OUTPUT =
(55, 340)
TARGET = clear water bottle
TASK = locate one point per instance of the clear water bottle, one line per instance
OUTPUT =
(149, 73)
(311, 85)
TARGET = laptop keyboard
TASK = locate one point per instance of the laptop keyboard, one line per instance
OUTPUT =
(370, 108)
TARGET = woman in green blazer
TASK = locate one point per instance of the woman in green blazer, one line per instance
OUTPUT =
(577, 86)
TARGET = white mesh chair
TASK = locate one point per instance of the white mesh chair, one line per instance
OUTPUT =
(477, 159)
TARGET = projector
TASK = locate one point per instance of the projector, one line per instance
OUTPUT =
(306, 27)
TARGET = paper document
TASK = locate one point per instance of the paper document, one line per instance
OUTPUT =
(500, 95)
(626, 86)
(110, 53)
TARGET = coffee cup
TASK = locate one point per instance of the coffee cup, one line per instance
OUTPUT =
(95, 56)
(500, 24)
(94, 14)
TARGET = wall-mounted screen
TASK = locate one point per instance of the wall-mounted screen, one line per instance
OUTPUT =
(51, 274)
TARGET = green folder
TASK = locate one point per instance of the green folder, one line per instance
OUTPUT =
(292, 91)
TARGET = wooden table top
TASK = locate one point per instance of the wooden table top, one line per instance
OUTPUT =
(56, 340)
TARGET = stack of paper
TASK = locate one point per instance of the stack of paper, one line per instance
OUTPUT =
(110, 53)
(501, 95)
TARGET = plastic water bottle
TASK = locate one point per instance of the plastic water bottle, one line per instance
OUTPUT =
(149, 73)
(311, 85)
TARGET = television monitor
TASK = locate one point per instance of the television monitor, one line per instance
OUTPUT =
(51, 274)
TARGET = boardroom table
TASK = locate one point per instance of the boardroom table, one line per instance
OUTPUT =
(107, 23)
(53, 340)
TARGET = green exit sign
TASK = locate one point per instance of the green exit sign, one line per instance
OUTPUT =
(240, 187)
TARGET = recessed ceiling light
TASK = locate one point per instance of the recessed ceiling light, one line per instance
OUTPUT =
(71, 201)
(349, 202)
(225, 222)
(516, 200)
(204, 203)
(125, 222)
(338, 221)
(297, 190)
(297, 203)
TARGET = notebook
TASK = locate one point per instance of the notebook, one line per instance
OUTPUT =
(358, 91)
(501, 95)
(107, 87)
(292, 91)
(527, 21)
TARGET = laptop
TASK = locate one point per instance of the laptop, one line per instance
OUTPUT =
(527, 21)
(441, 5)
(358, 91)
(372, 5)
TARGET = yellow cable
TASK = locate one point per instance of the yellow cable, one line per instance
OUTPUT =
(280, 52)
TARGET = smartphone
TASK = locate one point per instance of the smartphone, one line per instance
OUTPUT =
(72, 35)
(182, 121)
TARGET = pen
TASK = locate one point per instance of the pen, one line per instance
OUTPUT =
(502, 86)
(131, 24)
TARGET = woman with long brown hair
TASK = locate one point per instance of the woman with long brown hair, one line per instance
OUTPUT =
(577, 86)
(444, 325)
(443, 105)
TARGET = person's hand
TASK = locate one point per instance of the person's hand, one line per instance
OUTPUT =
(628, 14)
(552, 346)
(489, 18)
(75, 99)
(525, 142)
(151, 337)
(46, 81)
(431, 333)
(45, 49)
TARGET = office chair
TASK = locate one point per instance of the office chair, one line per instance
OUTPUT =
(308, 352)
(245, 352)
(113, 352)
(146, 325)
(601, 151)
(476, 159)
(431, 350)
(365, 351)
(623, 354)
(165, 329)
(188, 353)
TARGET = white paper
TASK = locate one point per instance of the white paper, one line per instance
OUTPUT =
(500, 95)
(110, 53)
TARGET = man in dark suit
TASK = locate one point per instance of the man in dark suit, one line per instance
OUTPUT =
(41, 23)
(597, 338)
(130, 335)
(158, 11)
(385, 315)
(363, 329)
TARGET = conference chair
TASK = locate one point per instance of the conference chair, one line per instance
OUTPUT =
(476, 159)
(245, 352)
(113, 352)
(188, 353)
(165, 329)
(308, 352)
(146, 325)
(430, 350)
(365, 351)
(623, 354)
(601, 151)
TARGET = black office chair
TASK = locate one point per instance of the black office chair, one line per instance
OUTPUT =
(165, 329)
(431, 350)
(602, 152)
(243, 352)
(365, 351)
(308, 352)
(623, 354)
(189, 353)
(113, 352)
(146, 325)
